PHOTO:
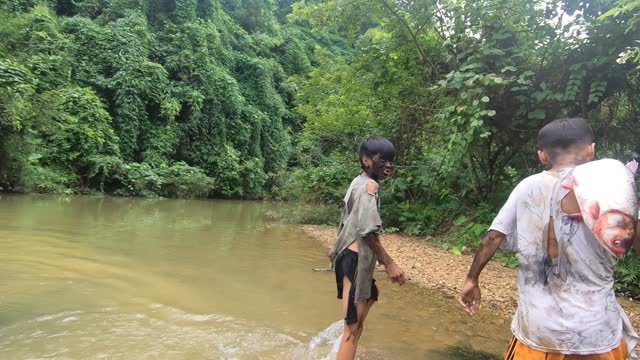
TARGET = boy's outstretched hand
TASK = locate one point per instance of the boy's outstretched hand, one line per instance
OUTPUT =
(470, 297)
(395, 273)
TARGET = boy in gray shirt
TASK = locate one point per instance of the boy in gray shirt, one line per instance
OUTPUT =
(357, 247)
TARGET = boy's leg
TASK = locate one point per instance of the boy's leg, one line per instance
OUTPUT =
(348, 344)
(363, 310)
(352, 332)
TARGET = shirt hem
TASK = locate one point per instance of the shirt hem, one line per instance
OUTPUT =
(602, 350)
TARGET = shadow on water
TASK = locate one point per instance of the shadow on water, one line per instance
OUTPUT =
(465, 352)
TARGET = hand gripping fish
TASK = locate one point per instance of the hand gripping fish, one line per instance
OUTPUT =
(606, 193)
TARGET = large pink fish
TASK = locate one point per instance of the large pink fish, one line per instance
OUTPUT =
(606, 193)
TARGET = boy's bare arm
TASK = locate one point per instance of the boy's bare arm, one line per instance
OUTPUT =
(489, 246)
(393, 270)
(470, 296)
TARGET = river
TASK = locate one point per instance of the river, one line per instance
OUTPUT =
(127, 278)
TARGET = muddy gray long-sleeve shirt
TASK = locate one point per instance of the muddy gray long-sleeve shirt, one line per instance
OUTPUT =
(354, 226)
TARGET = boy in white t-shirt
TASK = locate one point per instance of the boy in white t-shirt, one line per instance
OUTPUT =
(567, 307)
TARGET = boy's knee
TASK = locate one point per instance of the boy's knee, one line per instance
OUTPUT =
(351, 332)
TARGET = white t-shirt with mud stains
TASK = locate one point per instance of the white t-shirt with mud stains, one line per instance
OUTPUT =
(566, 305)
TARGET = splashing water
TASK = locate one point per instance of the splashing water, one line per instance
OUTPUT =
(163, 332)
(324, 346)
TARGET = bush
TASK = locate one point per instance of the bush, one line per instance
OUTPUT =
(627, 276)
(300, 213)
(417, 218)
(105, 172)
(140, 180)
(324, 183)
(42, 180)
(178, 180)
(183, 181)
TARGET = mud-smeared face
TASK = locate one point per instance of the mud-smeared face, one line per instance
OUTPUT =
(381, 168)
(615, 231)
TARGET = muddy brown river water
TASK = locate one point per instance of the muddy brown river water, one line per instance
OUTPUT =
(121, 278)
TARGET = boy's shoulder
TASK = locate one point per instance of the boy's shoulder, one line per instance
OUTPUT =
(528, 182)
(537, 184)
(364, 182)
(533, 179)
(542, 181)
(361, 184)
(540, 178)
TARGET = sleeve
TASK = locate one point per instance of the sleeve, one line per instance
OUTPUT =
(506, 222)
(368, 217)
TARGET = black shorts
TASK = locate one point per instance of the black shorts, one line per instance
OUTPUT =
(347, 265)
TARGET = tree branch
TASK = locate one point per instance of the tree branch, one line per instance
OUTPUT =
(413, 35)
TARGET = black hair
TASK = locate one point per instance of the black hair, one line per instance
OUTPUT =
(377, 145)
(562, 134)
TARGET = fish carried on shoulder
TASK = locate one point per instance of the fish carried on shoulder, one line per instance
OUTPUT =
(606, 194)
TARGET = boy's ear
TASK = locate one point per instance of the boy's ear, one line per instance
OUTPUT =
(544, 159)
(366, 161)
(592, 151)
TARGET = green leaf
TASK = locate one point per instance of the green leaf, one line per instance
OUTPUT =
(459, 221)
(485, 99)
(35, 157)
(508, 68)
(502, 34)
(470, 66)
(493, 52)
(538, 114)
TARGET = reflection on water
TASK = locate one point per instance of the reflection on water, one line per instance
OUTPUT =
(118, 278)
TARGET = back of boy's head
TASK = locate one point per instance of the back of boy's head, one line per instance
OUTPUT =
(377, 145)
(564, 135)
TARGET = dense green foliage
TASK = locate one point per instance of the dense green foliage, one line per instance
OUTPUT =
(462, 87)
(257, 98)
(153, 98)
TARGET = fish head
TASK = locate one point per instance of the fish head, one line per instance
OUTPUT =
(615, 230)
(606, 194)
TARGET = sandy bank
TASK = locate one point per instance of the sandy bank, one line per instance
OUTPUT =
(430, 266)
